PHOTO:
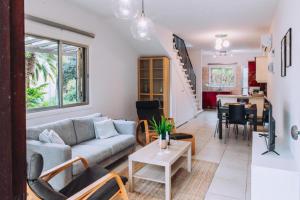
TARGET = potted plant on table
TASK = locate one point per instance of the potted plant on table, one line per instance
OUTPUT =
(162, 128)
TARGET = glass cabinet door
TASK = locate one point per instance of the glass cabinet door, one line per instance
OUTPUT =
(158, 81)
(158, 77)
(144, 79)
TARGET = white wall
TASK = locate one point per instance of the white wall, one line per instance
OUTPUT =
(112, 61)
(239, 58)
(182, 108)
(284, 92)
(196, 59)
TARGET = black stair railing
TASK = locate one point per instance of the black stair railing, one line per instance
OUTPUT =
(185, 59)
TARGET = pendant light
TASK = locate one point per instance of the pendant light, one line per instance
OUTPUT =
(142, 27)
(125, 9)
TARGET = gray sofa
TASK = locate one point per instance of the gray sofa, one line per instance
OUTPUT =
(79, 137)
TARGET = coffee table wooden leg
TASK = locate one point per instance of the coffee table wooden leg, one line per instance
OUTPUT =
(189, 159)
(168, 182)
(131, 179)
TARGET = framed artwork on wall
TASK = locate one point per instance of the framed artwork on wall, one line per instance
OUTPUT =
(283, 57)
(288, 42)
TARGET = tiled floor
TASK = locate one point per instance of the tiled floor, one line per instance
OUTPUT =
(232, 178)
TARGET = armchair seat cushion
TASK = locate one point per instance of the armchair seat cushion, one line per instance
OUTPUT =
(93, 154)
(181, 136)
(116, 144)
(89, 176)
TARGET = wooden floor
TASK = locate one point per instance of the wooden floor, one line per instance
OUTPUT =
(232, 178)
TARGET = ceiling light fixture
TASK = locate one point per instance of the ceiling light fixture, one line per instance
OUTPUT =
(125, 9)
(142, 28)
(226, 43)
(221, 43)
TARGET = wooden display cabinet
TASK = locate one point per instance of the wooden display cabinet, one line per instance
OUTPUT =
(154, 81)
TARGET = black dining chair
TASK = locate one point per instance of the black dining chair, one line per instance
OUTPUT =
(224, 118)
(237, 116)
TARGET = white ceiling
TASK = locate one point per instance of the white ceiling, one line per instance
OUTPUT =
(198, 21)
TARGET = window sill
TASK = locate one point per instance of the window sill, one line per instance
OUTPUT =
(57, 111)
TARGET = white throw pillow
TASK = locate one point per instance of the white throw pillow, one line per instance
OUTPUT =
(50, 137)
(105, 129)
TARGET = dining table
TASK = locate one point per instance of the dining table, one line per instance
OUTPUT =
(250, 110)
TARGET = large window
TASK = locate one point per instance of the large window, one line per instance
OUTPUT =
(222, 76)
(56, 73)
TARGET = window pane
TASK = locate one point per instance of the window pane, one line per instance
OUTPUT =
(73, 62)
(41, 66)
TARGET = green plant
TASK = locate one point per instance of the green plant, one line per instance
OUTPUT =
(162, 127)
(35, 95)
(39, 65)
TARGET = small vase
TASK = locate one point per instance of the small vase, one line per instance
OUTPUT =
(168, 138)
(163, 144)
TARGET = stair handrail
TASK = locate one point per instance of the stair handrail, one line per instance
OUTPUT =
(187, 64)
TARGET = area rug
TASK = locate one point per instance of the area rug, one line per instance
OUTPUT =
(185, 186)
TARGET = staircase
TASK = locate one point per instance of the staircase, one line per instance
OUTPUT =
(184, 61)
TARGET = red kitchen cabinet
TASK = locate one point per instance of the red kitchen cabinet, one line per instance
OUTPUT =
(209, 99)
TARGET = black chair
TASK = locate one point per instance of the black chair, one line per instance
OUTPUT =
(94, 183)
(243, 100)
(237, 116)
(146, 111)
(224, 118)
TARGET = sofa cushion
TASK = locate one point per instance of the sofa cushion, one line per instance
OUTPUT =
(88, 116)
(116, 144)
(50, 137)
(105, 129)
(93, 154)
(125, 127)
(63, 128)
(84, 127)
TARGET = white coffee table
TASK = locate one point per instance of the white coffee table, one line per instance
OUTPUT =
(160, 165)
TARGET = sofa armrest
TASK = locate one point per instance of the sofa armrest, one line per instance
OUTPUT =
(125, 127)
(53, 155)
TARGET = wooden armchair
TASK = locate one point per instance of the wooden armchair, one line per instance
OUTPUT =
(150, 135)
(147, 110)
(93, 183)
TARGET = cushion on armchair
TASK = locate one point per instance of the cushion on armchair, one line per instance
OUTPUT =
(41, 188)
(180, 136)
(88, 177)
